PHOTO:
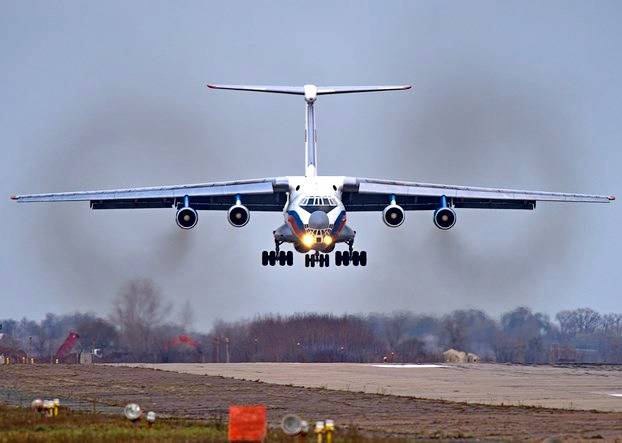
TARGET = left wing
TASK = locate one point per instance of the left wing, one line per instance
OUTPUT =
(368, 194)
(264, 194)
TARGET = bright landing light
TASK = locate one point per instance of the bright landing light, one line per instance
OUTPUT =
(328, 240)
(308, 239)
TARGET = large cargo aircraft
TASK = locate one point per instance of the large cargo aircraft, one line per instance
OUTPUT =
(314, 207)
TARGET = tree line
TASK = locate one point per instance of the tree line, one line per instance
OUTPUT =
(141, 327)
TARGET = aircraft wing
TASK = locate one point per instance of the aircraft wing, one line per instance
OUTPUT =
(265, 194)
(368, 194)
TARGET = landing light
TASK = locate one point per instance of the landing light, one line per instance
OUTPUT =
(328, 240)
(308, 239)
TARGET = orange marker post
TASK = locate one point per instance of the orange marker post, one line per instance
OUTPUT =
(247, 423)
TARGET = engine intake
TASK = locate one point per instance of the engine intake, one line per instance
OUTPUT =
(187, 218)
(238, 215)
(444, 218)
(393, 215)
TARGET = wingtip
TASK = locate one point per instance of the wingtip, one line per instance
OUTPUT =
(211, 85)
(13, 197)
(611, 197)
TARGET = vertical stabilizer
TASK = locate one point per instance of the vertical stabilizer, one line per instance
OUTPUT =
(310, 93)
(310, 132)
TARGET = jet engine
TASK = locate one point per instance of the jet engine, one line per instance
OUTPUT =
(187, 218)
(238, 215)
(444, 218)
(393, 215)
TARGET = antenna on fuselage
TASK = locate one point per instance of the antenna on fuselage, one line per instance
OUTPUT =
(310, 93)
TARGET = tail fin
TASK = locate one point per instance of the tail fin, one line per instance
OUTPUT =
(310, 93)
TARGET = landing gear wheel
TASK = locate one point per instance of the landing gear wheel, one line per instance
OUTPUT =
(272, 258)
(264, 258)
(289, 258)
(345, 258)
(324, 260)
(282, 258)
(338, 258)
(307, 260)
(355, 258)
(363, 258)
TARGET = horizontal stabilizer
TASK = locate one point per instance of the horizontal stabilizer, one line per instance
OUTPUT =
(300, 90)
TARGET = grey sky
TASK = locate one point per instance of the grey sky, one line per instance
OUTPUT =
(106, 95)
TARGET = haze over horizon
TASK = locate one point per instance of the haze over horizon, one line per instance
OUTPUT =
(516, 95)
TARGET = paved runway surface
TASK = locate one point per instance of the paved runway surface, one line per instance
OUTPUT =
(558, 387)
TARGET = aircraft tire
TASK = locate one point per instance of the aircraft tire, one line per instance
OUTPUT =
(345, 258)
(290, 258)
(272, 258)
(355, 258)
(264, 258)
(307, 261)
(363, 258)
(338, 258)
(326, 260)
(282, 258)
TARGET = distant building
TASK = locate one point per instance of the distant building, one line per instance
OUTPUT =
(454, 356)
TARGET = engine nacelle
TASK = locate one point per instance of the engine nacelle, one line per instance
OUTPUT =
(393, 215)
(238, 215)
(444, 218)
(186, 218)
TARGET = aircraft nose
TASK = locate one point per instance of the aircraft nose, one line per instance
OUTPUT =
(318, 220)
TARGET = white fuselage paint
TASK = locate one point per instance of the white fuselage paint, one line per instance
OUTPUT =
(297, 215)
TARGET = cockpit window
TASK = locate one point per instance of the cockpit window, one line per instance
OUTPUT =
(315, 203)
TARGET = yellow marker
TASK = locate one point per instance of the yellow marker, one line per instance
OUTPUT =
(329, 429)
(319, 430)
(56, 406)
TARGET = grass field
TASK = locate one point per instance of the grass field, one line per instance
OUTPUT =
(203, 401)
(23, 425)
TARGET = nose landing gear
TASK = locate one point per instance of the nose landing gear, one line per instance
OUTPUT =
(323, 260)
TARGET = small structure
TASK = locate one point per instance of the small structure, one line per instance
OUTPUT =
(472, 358)
(454, 356)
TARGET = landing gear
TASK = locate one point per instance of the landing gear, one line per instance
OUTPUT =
(323, 260)
(281, 258)
(355, 257)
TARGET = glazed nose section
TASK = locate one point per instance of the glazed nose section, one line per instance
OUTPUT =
(318, 220)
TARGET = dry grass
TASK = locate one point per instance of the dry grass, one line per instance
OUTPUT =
(24, 425)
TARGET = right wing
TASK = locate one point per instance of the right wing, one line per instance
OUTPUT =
(265, 194)
(368, 194)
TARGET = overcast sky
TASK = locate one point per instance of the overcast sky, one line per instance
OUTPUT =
(99, 95)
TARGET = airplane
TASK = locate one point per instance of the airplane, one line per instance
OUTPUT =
(315, 208)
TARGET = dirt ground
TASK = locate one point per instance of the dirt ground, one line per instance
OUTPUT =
(205, 396)
(595, 387)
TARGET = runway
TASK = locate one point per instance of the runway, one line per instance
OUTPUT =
(598, 388)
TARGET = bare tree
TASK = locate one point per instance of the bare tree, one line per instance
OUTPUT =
(138, 310)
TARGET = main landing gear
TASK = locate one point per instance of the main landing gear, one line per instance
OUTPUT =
(280, 258)
(356, 258)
